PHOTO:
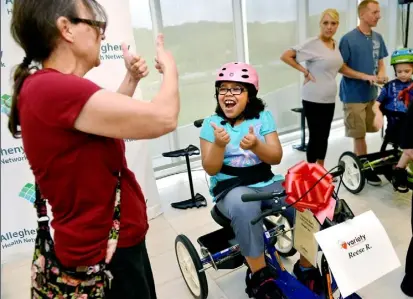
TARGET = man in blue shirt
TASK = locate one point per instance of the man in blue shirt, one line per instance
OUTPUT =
(363, 50)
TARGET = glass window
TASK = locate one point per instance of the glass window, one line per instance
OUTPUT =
(145, 46)
(272, 29)
(401, 27)
(316, 8)
(200, 34)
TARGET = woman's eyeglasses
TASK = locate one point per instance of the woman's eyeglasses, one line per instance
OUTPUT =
(98, 24)
(234, 91)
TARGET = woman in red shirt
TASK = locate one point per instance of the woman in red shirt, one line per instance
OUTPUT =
(73, 131)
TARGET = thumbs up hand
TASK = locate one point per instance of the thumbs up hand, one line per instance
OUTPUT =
(221, 136)
(250, 140)
(164, 59)
(135, 64)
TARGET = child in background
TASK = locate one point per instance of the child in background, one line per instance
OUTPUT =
(393, 99)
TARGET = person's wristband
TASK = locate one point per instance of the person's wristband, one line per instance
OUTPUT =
(306, 73)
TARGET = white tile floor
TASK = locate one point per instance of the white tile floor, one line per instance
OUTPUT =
(392, 209)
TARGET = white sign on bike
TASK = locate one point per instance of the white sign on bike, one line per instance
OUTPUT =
(358, 252)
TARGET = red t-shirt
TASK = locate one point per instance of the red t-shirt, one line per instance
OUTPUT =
(76, 171)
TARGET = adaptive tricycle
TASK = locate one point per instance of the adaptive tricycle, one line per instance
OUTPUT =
(219, 250)
(381, 162)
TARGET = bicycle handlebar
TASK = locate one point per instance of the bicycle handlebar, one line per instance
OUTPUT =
(341, 207)
(341, 167)
(378, 85)
(342, 213)
(262, 196)
(276, 195)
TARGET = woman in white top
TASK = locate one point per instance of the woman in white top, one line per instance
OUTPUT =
(323, 62)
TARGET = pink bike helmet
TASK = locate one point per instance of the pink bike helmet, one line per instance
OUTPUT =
(238, 72)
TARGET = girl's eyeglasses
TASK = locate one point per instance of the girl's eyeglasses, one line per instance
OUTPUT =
(234, 91)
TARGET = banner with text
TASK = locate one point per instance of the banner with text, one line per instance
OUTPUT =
(18, 219)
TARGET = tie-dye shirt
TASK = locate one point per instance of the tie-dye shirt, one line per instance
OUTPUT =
(234, 155)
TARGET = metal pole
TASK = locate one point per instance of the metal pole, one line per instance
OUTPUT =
(240, 30)
(407, 25)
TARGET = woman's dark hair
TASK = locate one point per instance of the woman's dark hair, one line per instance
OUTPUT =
(34, 28)
(253, 108)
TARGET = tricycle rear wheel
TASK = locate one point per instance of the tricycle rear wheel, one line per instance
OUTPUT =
(191, 266)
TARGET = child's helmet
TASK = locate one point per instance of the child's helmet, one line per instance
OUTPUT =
(238, 72)
(404, 55)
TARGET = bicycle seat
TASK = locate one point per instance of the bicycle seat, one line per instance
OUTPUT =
(189, 151)
(219, 218)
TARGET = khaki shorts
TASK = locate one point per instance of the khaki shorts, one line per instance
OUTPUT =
(359, 119)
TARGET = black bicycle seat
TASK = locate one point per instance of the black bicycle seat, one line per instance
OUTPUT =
(189, 151)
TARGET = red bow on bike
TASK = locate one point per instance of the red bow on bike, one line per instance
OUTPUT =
(300, 179)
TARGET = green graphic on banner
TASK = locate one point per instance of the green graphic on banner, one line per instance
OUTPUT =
(28, 192)
(5, 104)
(25, 235)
